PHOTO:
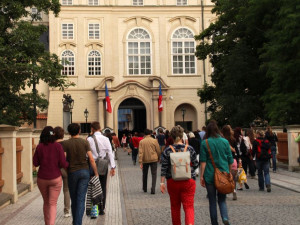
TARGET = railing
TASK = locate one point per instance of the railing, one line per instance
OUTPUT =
(1, 153)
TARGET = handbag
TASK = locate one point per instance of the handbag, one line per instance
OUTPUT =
(224, 182)
(102, 164)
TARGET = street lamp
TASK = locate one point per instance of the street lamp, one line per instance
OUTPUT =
(68, 104)
(183, 110)
(86, 115)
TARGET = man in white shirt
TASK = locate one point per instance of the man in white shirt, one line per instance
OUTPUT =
(104, 148)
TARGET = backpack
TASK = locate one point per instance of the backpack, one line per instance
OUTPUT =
(180, 164)
(263, 150)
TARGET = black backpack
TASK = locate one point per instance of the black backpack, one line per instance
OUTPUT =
(263, 150)
(243, 148)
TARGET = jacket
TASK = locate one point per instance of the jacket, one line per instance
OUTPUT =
(94, 194)
(149, 150)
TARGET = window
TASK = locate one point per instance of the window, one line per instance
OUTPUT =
(68, 62)
(138, 2)
(94, 31)
(67, 2)
(139, 52)
(181, 2)
(183, 52)
(35, 12)
(93, 2)
(67, 31)
(94, 63)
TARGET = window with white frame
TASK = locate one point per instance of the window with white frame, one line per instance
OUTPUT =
(138, 2)
(94, 31)
(67, 30)
(35, 12)
(139, 52)
(67, 2)
(93, 2)
(94, 63)
(68, 62)
(183, 52)
(181, 2)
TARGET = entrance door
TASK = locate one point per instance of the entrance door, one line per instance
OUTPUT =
(132, 115)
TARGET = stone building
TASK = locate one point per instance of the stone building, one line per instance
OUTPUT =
(133, 46)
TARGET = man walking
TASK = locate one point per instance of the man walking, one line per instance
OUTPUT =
(262, 151)
(149, 153)
(104, 147)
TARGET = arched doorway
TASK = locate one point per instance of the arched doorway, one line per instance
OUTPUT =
(186, 116)
(132, 115)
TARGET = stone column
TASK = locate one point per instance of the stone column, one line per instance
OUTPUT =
(26, 157)
(293, 146)
(101, 111)
(9, 161)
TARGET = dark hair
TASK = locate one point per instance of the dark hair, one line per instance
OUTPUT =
(196, 133)
(95, 125)
(47, 135)
(226, 131)
(160, 130)
(73, 129)
(212, 130)
(147, 131)
(177, 133)
(237, 133)
(59, 133)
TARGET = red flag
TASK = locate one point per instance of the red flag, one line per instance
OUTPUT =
(160, 104)
(107, 100)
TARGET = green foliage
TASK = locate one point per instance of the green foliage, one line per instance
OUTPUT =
(241, 46)
(24, 61)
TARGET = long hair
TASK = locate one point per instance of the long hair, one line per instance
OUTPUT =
(47, 135)
(251, 135)
(212, 130)
(237, 133)
(228, 134)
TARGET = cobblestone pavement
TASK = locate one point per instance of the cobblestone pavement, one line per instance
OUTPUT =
(281, 206)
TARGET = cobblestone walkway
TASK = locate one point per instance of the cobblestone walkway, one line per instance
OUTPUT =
(281, 206)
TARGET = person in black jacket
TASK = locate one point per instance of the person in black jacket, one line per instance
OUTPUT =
(195, 143)
(272, 138)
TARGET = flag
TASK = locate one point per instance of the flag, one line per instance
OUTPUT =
(107, 100)
(160, 104)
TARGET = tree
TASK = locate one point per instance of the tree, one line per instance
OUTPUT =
(234, 46)
(24, 62)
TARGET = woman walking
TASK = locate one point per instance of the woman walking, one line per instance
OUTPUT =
(50, 157)
(221, 153)
(272, 138)
(78, 171)
(180, 192)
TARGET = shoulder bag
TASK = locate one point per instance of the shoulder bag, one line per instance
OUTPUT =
(224, 182)
(102, 164)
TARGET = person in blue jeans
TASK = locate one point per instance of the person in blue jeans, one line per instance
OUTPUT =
(262, 163)
(272, 138)
(76, 150)
(221, 153)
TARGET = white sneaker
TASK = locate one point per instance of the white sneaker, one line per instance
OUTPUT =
(67, 215)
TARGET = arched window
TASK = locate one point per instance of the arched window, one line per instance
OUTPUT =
(183, 52)
(94, 63)
(68, 62)
(139, 52)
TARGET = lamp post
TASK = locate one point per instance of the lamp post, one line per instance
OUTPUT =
(183, 110)
(86, 114)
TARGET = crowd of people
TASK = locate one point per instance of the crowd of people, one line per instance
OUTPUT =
(71, 164)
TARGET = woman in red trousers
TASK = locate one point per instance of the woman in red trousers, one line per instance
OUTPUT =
(180, 192)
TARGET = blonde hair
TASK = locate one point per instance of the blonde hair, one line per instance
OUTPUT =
(177, 133)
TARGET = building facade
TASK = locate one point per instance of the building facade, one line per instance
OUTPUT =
(132, 46)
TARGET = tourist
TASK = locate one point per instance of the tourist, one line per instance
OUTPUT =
(262, 152)
(149, 154)
(78, 150)
(59, 136)
(228, 135)
(196, 145)
(105, 151)
(135, 143)
(272, 138)
(180, 192)
(124, 142)
(221, 153)
(250, 137)
(50, 157)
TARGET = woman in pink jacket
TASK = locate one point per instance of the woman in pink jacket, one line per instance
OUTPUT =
(50, 157)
